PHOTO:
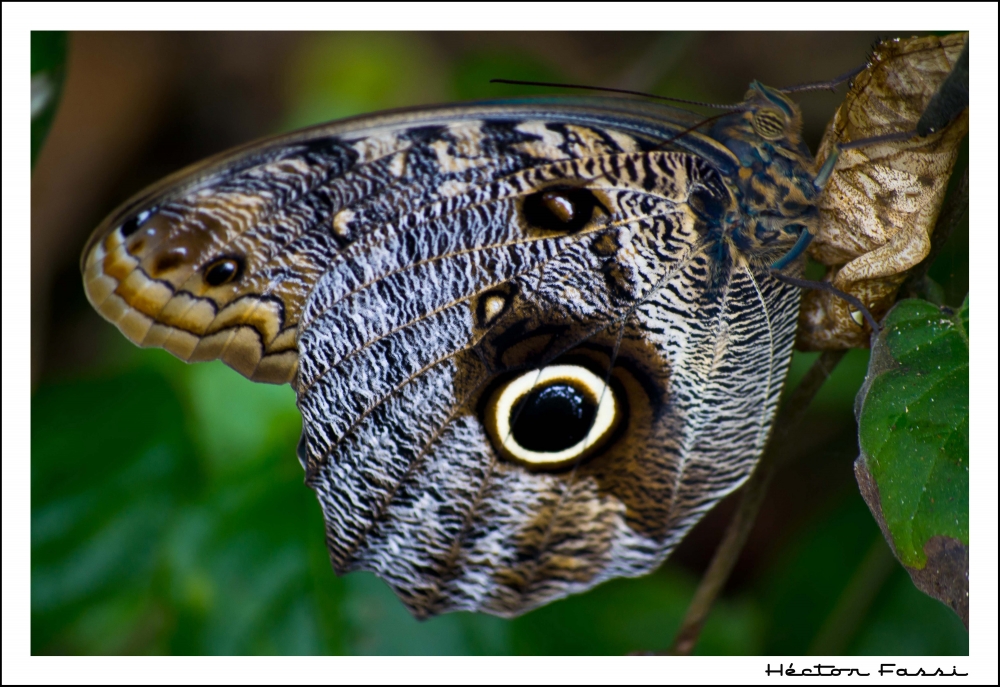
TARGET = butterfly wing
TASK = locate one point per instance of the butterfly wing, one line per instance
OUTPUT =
(462, 299)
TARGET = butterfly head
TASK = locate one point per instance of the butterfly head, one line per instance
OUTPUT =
(765, 127)
(775, 174)
(773, 117)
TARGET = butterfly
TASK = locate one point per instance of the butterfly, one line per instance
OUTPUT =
(532, 342)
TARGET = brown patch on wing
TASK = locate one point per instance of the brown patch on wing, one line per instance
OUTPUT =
(567, 540)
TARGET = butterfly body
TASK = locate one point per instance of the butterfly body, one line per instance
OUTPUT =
(532, 342)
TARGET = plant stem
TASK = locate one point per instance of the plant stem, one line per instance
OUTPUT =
(754, 490)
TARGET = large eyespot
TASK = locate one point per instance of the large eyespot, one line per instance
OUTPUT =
(553, 417)
(768, 123)
(222, 271)
(565, 209)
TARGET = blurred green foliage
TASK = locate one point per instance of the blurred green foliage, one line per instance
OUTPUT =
(359, 72)
(171, 517)
(48, 69)
(169, 513)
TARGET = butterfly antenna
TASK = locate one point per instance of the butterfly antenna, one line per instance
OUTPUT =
(830, 288)
(696, 126)
(829, 85)
(607, 89)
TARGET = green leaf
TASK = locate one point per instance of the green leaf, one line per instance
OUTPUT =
(48, 67)
(913, 416)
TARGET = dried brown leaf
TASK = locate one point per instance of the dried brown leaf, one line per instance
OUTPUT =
(882, 200)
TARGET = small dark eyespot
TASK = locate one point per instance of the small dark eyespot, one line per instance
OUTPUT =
(552, 418)
(563, 208)
(223, 271)
(132, 224)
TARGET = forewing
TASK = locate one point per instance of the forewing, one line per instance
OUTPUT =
(217, 260)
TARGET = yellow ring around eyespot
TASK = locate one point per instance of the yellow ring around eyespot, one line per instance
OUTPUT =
(582, 378)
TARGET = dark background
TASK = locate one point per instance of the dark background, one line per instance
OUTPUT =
(168, 509)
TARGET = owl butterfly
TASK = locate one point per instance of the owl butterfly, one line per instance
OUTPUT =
(532, 343)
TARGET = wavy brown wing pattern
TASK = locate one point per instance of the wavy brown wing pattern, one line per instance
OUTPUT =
(532, 344)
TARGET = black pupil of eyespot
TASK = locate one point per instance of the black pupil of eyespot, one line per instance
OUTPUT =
(560, 209)
(552, 418)
(221, 272)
